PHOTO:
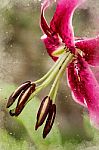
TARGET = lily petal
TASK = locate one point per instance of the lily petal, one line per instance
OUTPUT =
(62, 20)
(73, 83)
(90, 47)
(44, 25)
(89, 89)
(51, 43)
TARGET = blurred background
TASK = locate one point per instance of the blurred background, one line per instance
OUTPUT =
(24, 57)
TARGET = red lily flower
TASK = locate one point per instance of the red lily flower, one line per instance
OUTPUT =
(67, 51)
(83, 85)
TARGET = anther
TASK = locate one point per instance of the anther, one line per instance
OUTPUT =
(50, 120)
(17, 92)
(43, 111)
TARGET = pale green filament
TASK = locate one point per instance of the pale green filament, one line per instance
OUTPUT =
(52, 69)
(51, 75)
(56, 73)
(60, 73)
(53, 96)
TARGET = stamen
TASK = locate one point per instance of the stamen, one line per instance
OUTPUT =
(28, 90)
(24, 96)
(51, 70)
(17, 92)
(51, 76)
(59, 75)
(55, 91)
(55, 71)
(50, 120)
(43, 111)
(80, 52)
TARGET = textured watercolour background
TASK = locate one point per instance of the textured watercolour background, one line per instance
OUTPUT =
(24, 57)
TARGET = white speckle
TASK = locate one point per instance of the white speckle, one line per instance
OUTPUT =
(43, 37)
(6, 32)
(10, 133)
(85, 102)
(28, 4)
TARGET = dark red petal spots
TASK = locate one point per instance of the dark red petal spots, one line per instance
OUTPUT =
(90, 47)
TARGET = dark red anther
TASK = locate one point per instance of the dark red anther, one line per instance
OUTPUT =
(43, 111)
(24, 96)
(50, 120)
(17, 92)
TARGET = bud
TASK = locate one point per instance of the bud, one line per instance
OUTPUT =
(24, 96)
(50, 120)
(17, 92)
(43, 111)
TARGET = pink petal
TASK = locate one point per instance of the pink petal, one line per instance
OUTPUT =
(51, 44)
(62, 20)
(88, 86)
(51, 41)
(90, 47)
(44, 26)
